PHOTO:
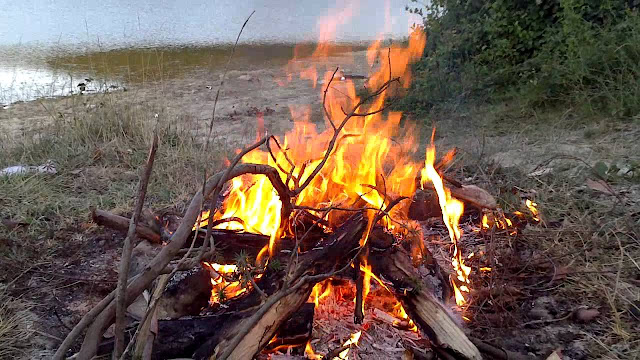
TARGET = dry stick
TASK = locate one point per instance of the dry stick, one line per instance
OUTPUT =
(224, 75)
(214, 198)
(154, 301)
(336, 352)
(159, 263)
(145, 342)
(324, 100)
(336, 132)
(495, 352)
(127, 248)
(358, 313)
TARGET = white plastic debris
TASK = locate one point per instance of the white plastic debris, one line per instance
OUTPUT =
(46, 168)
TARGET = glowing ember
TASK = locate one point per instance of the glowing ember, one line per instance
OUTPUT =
(353, 340)
(452, 209)
(222, 287)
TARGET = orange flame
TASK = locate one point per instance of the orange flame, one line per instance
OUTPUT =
(533, 207)
(402, 314)
(220, 283)
(311, 355)
(353, 340)
(366, 167)
(452, 210)
(320, 291)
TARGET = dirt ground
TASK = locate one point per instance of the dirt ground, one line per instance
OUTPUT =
(582, 255)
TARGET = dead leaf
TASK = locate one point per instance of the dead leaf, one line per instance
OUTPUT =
(586, 314)
(599, 185)
(540, 172)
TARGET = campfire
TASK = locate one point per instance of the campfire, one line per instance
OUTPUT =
(297, 219)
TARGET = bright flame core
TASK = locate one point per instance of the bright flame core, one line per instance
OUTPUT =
(353, 340)
(364, 166)
(452, 210)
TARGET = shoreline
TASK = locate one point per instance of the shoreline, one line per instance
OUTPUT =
(188, 99)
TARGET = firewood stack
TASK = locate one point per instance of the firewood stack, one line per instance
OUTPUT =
(274, 272)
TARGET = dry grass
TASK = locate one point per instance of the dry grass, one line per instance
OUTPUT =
(590, 235)
(16, 326)
(98, 152)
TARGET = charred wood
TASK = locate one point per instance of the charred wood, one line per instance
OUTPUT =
(246, 337)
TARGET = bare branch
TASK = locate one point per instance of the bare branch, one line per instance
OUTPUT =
(335, 137)
(324, 99)
(127, 247)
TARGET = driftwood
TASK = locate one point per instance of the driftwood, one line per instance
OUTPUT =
(394, 264)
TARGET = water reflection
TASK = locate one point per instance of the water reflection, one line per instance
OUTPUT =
(21, 82)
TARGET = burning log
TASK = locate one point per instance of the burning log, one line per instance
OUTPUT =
(296, 331)
(245, 337)
(394, 265)
(425, 205)
(178, 338)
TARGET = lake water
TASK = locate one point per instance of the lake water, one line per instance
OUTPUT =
(48, 46)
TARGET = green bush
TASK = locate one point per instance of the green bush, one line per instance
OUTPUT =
(581, 53)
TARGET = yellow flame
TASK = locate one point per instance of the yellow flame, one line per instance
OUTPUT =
(533, 207)
(353, 340)
(311, 355)
(365, 164)
(452, 210)
(220, 284)
(402, 314)
(320, 291)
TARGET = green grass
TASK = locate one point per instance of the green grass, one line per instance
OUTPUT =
(98, 154)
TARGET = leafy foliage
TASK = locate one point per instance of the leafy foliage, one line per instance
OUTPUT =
(585, 53)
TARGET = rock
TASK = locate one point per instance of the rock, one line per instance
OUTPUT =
(540, 313)
(586, 314)
(245, 77)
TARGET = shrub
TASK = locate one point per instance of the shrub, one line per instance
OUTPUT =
(583, 53)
